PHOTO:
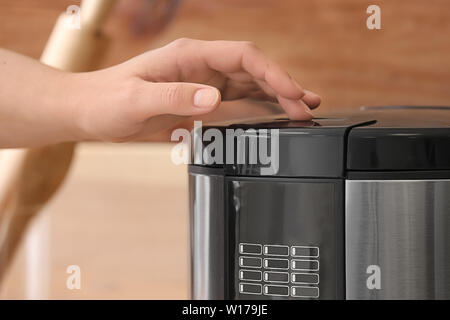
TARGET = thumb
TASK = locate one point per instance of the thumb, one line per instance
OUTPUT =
(179, 98)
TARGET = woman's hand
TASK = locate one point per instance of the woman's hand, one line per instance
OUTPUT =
(140, 98)
(185, 78)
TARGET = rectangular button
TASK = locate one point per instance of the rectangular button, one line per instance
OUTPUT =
(250, 275)
(250, 262)
(302, 251)
(305, 265)
(271, 276)
(271, 290)
(250, 288)
(305, 278)
(275, 250)
(305, 292)
(250, 248)
(276, 264)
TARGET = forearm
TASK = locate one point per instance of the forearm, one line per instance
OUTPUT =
(34, 103)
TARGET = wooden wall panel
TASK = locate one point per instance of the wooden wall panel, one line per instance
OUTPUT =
(323, 43)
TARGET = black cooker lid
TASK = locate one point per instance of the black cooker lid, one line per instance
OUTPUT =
(401, 139)
(374, 139)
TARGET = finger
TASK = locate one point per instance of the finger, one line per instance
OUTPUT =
(311, 99)
(232, 56)
(262, 96)
(176, 98)
(267, 89)
(295, 109)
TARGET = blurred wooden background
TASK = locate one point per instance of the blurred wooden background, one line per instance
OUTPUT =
(124, 227)
(323, 43)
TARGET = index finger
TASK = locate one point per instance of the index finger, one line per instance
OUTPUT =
(236, 56)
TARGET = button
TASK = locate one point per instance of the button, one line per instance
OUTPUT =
(305, 278)
(305, 292)
(271, 290)
(250, 248)
(271, 276)
(276, 263)
(275, 250)
(301, 251)
(250, 275)
(305, 265)
(250, 288)
(250, 262)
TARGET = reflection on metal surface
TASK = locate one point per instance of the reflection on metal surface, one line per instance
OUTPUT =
(207, 236)
(398, 234)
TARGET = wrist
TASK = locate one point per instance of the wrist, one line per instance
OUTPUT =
(74, 95)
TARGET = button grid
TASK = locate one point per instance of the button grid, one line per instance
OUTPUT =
(279, 270)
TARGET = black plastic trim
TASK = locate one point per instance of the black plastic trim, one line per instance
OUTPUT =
(381, 108)
(399, 175)
(195, 169)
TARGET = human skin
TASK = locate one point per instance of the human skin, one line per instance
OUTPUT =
(40, 105)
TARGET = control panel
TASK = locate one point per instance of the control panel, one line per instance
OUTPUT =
(279, 270)
(285, 239)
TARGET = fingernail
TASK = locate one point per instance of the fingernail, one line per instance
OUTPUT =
(206, 98)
